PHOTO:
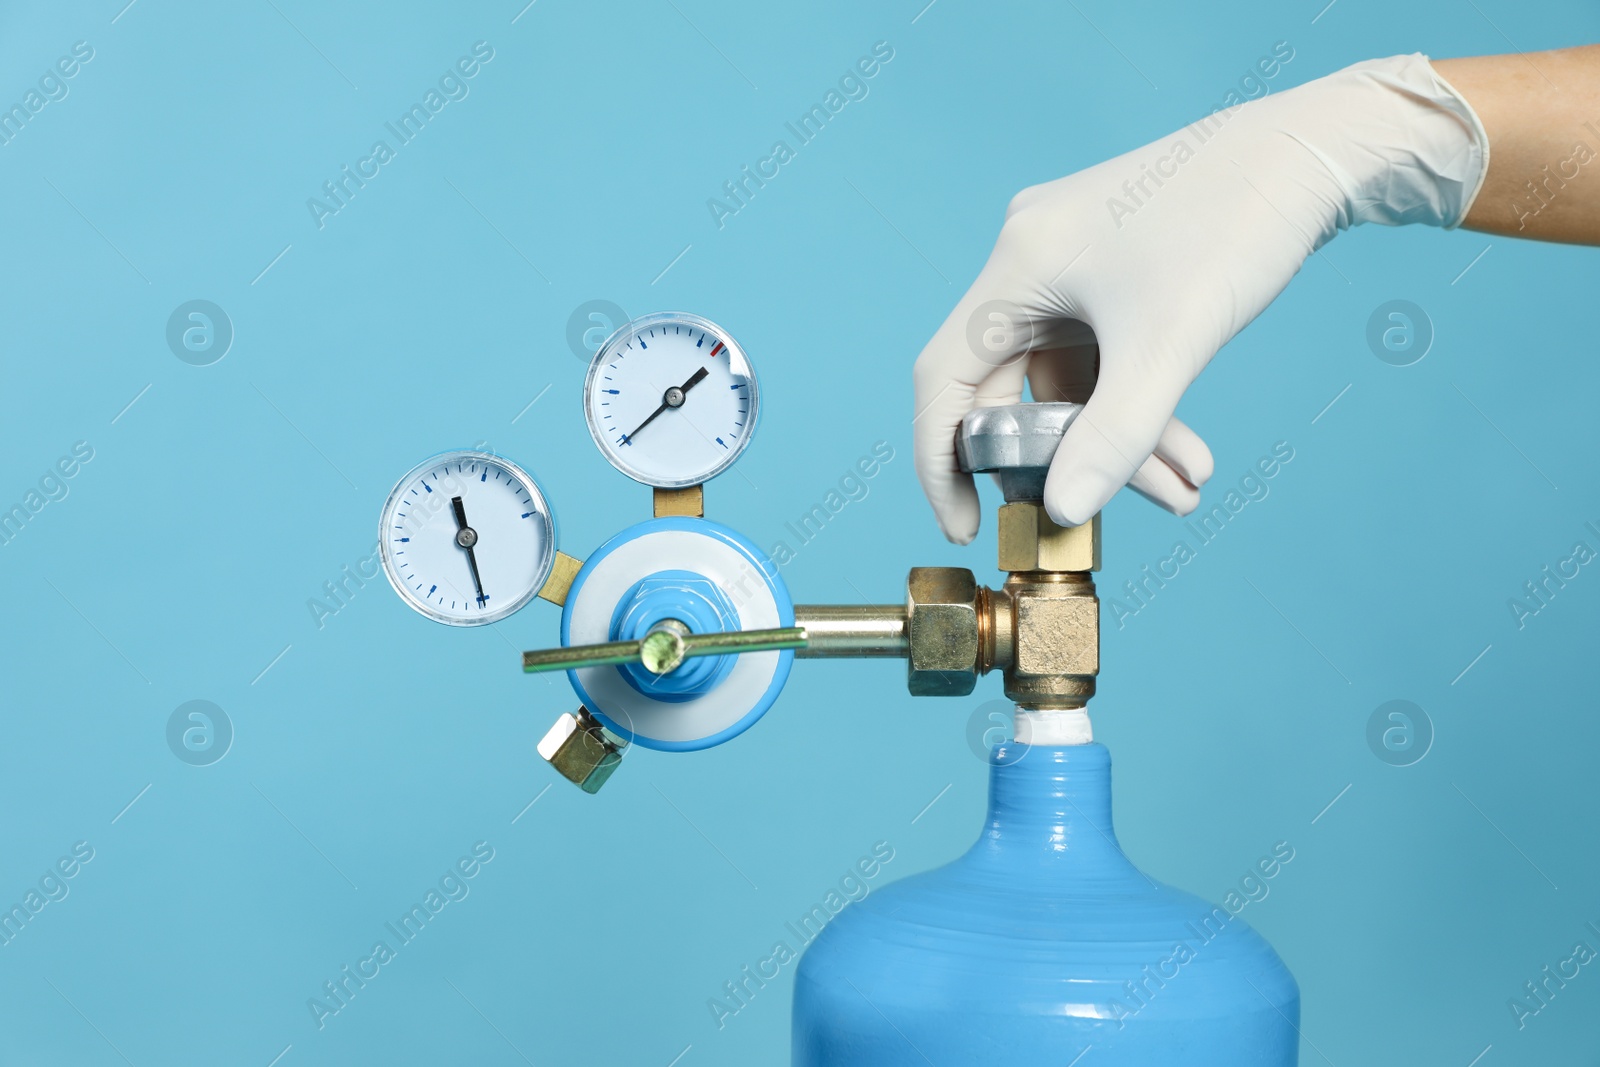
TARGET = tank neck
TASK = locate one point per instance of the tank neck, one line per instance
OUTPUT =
(1051, 806)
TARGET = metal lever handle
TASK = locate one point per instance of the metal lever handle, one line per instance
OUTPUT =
(664, 648)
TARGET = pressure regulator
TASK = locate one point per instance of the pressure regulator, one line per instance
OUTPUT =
(678, 633)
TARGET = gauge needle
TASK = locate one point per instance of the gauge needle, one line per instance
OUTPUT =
(672, 398)
(466, 537)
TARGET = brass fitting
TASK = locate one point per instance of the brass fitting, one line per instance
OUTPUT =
(1041, 628)
(944, 616)
(1031, 541)
(1057, 639)
(582, 750)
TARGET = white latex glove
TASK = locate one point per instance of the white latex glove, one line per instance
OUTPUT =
(1150, 262)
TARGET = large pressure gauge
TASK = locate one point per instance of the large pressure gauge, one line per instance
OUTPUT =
(467, 538)
(671, 400)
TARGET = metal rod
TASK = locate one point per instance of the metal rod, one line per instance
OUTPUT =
(854, 630)
(745, 641)
(663, 649)
(571, 658)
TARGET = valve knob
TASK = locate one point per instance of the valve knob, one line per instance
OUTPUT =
(1015, 442)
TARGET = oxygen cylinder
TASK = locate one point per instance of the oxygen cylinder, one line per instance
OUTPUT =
(1042, 945)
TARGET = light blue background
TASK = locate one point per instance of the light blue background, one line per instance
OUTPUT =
(381, 746)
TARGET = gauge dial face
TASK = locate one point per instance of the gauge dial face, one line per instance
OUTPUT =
(671, 400)
(467, 538)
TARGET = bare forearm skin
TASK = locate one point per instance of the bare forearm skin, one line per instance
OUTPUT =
(1542, 114)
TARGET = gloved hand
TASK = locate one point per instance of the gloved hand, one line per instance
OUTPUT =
(1142, 267)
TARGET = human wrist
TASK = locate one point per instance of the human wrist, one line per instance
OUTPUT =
(1403, 145)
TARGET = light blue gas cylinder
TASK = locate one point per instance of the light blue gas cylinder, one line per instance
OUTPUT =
(1042, 945)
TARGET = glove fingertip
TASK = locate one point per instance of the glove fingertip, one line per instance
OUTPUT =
(958, 520)
(961, 535)
(1179, 502)
(1077, 498)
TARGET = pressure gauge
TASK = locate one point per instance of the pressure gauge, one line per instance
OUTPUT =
(467, 538)
(671, 400)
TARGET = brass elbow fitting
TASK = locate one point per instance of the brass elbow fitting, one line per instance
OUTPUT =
(1041, 628)
(1055, 613)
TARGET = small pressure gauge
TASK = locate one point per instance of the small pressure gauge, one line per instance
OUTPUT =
(467, 538)
(671, 400)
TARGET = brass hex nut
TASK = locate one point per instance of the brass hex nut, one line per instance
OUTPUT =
(942, 627)
(579, 747)
(1031, 541)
